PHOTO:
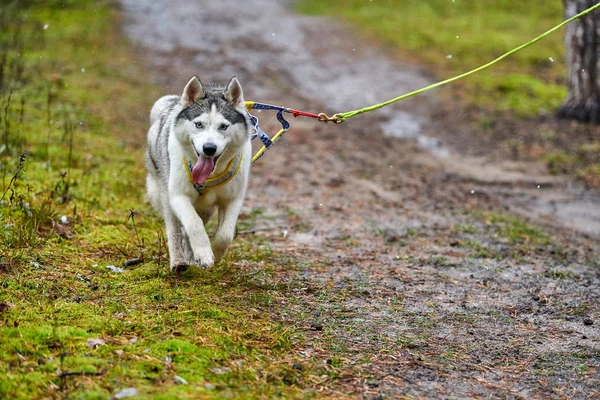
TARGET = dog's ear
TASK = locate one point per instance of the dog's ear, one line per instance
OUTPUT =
(234, 93)
(192, 93)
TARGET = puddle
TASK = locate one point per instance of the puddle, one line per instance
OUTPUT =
(403, 125)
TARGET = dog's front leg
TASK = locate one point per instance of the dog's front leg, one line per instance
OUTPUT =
(176, 242)
(228, 215)
(194, 227)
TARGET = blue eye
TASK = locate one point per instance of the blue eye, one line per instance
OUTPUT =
(223, 127)
(199, 125)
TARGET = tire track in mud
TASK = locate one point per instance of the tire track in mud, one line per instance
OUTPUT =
(410, 285)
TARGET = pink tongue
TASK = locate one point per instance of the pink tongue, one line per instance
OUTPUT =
(203, 168)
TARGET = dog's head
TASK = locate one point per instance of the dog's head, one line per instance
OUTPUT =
(213, 121)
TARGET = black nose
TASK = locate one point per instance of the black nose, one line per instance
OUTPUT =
(209, 149)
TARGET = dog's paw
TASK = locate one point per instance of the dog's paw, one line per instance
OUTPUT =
(204, 258)
(219, 248)
(179, 268)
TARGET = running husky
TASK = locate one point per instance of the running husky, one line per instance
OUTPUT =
(198, 160)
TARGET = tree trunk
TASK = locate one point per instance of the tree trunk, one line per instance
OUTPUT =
(582, 41)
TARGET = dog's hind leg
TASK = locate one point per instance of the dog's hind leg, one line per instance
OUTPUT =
(153, 191)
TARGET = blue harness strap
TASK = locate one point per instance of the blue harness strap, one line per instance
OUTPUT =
(284, 124)
(258, 132)
(264, 138)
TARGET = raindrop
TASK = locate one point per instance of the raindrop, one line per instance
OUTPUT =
(82, 70)
(46, 26)
(551, 59)
(273, 34)
(449, 57)
(457, 36)
(538, 186)
(472, 191)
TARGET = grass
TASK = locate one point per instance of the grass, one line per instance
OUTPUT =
(582, 160)
(452, 37)
(73, 116)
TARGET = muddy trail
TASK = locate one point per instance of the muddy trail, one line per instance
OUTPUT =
(413, 266)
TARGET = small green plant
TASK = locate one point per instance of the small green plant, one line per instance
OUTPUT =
(482, 251)
(466, 228)
(516, 230)
(561, 274)
(560, 163)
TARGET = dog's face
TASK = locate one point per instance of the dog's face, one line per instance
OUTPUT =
(212, 120)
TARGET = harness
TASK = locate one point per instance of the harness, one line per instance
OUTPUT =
(218, 181)
(264, 138)
(234, 166)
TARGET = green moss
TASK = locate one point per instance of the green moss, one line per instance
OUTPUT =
(525, 95)
(560, 163)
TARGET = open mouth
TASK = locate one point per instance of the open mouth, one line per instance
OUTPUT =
(204, 167)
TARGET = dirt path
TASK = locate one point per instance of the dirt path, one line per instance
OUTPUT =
(410, 270)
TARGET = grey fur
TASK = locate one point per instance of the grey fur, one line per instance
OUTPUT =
(213, 95)
(158, 148)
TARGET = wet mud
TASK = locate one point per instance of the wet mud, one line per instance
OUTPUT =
(397, 255)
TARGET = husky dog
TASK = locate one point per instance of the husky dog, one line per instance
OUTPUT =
(198, 160)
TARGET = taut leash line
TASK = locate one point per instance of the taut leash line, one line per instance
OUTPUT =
(341, 117)
(345, 115)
